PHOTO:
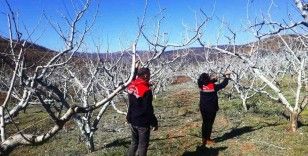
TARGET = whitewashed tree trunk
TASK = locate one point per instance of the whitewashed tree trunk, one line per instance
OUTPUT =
(2, 124)
(244, 99)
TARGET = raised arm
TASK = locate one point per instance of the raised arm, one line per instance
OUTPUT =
(224, 83)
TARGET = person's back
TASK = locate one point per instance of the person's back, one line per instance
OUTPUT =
(209, 103)
(140, 112)
(140, 98)
(208, 94)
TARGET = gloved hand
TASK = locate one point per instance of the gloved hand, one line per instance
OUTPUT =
(155, 128)
(227, 74)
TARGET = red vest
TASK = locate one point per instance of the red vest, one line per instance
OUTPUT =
(210, 87)
(138, 87)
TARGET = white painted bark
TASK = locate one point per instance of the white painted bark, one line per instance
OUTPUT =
(2, 124)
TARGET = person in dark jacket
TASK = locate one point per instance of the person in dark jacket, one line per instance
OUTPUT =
(140, 112)
(209, 103)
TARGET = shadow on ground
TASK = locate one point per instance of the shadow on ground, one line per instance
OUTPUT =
(118, 143)
(235, 133)
(204, 151)
(301, 124)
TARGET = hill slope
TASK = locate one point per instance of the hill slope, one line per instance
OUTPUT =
(36, 54)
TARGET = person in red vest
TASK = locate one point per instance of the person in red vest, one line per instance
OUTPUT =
(140, 112)
(209, 103)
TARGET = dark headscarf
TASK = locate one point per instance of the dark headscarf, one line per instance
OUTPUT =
(203, 79)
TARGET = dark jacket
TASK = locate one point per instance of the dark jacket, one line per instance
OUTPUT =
(140, 110)
(208, 96)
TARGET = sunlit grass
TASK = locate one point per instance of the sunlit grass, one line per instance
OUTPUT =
(261, 131)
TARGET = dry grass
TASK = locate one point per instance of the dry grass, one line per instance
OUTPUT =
(261, 131)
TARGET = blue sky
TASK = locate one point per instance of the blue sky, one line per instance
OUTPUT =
(116, 24)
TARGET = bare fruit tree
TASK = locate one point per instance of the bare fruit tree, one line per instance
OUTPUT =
(70, 85)
(294, 50)
(46, 84)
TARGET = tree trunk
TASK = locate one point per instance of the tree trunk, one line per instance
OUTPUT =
(293, 121)
(244, 105)
(2, 124)
(87, 134)
(90, 142)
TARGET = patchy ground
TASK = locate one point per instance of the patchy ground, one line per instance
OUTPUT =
(260, 131)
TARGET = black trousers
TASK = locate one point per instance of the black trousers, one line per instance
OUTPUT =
(140, 141)
(208, 118)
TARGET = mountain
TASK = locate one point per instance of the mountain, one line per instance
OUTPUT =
(37, 55)
(34, 54)
(273, 44)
